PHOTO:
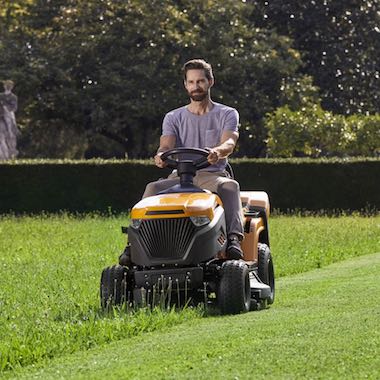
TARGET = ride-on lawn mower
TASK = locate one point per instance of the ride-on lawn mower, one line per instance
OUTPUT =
(177, 244)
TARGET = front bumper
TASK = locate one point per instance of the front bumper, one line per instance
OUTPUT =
(177, 278)
(175, 241)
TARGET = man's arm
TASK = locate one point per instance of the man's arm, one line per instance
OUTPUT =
(166, 143)
(226, 147)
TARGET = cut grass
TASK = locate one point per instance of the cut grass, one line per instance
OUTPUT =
(324, 326)
(51, 267)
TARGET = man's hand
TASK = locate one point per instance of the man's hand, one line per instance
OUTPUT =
(226, 147)
(213, 156)
(158, 161)
(166, 143)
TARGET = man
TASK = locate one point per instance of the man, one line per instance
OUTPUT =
(205, 124)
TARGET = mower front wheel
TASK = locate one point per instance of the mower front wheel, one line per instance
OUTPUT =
(113, 286)
(234, 292)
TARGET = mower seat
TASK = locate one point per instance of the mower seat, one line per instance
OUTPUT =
(255, 201)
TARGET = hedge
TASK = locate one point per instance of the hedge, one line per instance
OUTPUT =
(345, 185)
(99, 185)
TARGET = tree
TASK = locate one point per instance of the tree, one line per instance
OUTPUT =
(110, 70)
(340, 44)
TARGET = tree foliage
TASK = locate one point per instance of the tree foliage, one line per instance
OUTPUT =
(95, 78)
(110, 70)
(340, 44)
(313, 132)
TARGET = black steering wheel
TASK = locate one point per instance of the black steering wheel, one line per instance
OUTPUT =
(198, 163)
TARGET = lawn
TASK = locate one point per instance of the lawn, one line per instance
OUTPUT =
(51, 267)
(318, 329)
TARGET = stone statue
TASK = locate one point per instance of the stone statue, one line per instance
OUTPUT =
(8, 127)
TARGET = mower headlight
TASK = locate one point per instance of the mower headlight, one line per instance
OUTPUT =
(199, 221)
(136, 223)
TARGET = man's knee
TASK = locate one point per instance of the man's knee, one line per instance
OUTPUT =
(150, 189)
(153, 188)
(229, 187)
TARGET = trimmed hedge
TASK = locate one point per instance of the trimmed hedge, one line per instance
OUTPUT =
(98, 185)
(314, 184)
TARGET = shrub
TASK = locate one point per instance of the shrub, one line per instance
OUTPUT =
(366, 130)
(313, 132)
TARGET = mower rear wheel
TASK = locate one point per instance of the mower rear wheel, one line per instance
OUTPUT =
(266, 269)
(113, 286)
(234, 292)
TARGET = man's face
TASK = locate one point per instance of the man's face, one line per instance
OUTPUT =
(197, 85)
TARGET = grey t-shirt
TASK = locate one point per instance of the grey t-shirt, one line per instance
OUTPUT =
(201, 131)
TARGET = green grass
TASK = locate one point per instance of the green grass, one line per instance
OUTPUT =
(300, 244)
(51, 265)
(323, 326)
(49, 300)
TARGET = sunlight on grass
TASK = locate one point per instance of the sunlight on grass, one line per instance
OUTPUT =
(300, 244)
(51, 266)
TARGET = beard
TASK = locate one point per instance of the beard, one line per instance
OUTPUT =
(198, 96)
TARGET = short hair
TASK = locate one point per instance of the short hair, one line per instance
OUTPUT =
(9, 84)
(198, 64)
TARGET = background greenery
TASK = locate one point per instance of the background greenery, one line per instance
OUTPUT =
(95, 78)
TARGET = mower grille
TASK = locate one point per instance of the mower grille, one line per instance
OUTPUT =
(166, 238)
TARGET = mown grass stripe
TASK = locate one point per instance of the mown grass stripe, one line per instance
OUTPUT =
(324, 325)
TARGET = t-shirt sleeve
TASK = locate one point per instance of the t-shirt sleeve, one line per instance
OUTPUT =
(232, 121)
(168, 127)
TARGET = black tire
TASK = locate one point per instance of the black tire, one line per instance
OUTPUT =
(113, 286)
(266, 269)
(234, 291)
